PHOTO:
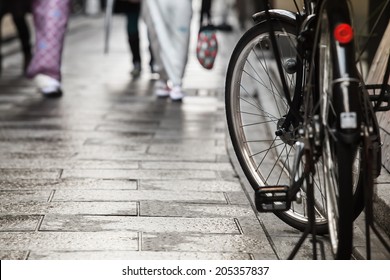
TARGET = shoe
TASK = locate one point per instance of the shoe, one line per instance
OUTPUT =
(155, 68)
(136, 72)
(48, 86)
(161, 89)
(176, 94)
(26, 62)
(53, 93)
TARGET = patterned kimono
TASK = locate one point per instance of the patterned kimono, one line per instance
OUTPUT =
(50, 20)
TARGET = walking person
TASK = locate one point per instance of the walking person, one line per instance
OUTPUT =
(18, 10)
(132, 9)
(50, 22)
(168, 22)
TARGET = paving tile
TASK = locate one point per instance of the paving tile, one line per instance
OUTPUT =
(51, 135)
(237, 198)
(9, 174)
(131, 116)
(378, 251)
(18, 196)
(69, 164)
(138, 156)
(205, 243)
(190, 185)
(40, 146)
(276, 227)
(13, 255)
(223, 158)
(285, 245)
(39, 126)
(162, 209)
(70, 208)
(132, 127)
(32, 155)
(186, 151)
(172, 134)
(135, 255)
(138, 174)
(18, 223)
(74, 184)
(123, 143)
(133, 144)
(69, 241)
(124, 195)
(187, 165)
(142, 224)
(186, 142)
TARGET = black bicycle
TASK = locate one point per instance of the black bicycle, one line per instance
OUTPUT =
(302, 121)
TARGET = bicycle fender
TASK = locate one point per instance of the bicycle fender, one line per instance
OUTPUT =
(275, 13)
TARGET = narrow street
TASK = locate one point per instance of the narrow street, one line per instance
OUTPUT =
(111, 172)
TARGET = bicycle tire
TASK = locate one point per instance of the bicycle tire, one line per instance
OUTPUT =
(265, 170)
(339, 156)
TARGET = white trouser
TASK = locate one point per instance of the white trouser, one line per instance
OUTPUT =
(168, 23)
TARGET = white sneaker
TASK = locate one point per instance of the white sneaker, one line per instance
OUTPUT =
(176, 93)
(48, 86)
(161, 89)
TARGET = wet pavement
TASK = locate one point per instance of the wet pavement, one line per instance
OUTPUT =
(111, 172)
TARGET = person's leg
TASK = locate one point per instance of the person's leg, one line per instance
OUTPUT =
(172, 35)
(1, 57)
(152, 62)
(18, 11)
(153, 20)
(205, 11)
(2, 12)
(180, 24)
(50, 19)
(133, 37)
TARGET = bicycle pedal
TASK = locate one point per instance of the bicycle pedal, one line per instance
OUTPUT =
(272, 198)
(383, 98)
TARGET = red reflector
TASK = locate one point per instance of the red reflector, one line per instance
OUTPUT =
(343, 33)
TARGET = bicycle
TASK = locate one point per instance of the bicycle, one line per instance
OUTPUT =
(302, 121)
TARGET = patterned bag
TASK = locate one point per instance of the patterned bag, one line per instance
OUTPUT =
(207, 46)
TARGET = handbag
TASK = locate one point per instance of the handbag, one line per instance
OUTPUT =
(207, 46)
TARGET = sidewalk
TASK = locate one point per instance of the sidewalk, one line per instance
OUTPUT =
(110, 172)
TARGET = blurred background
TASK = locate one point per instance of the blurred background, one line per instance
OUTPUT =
(366, 14)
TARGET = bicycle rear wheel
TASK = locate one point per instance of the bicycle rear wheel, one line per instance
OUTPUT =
(256, 108)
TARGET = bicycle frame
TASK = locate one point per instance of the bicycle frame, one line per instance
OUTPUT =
(346, 79)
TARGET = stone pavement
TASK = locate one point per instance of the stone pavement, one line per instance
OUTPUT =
(110, 172)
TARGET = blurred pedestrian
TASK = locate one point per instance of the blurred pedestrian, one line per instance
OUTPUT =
(50, 22)
(18, 10)
(132, 15)
(168, 22)
(132, 10)
(205, 12)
